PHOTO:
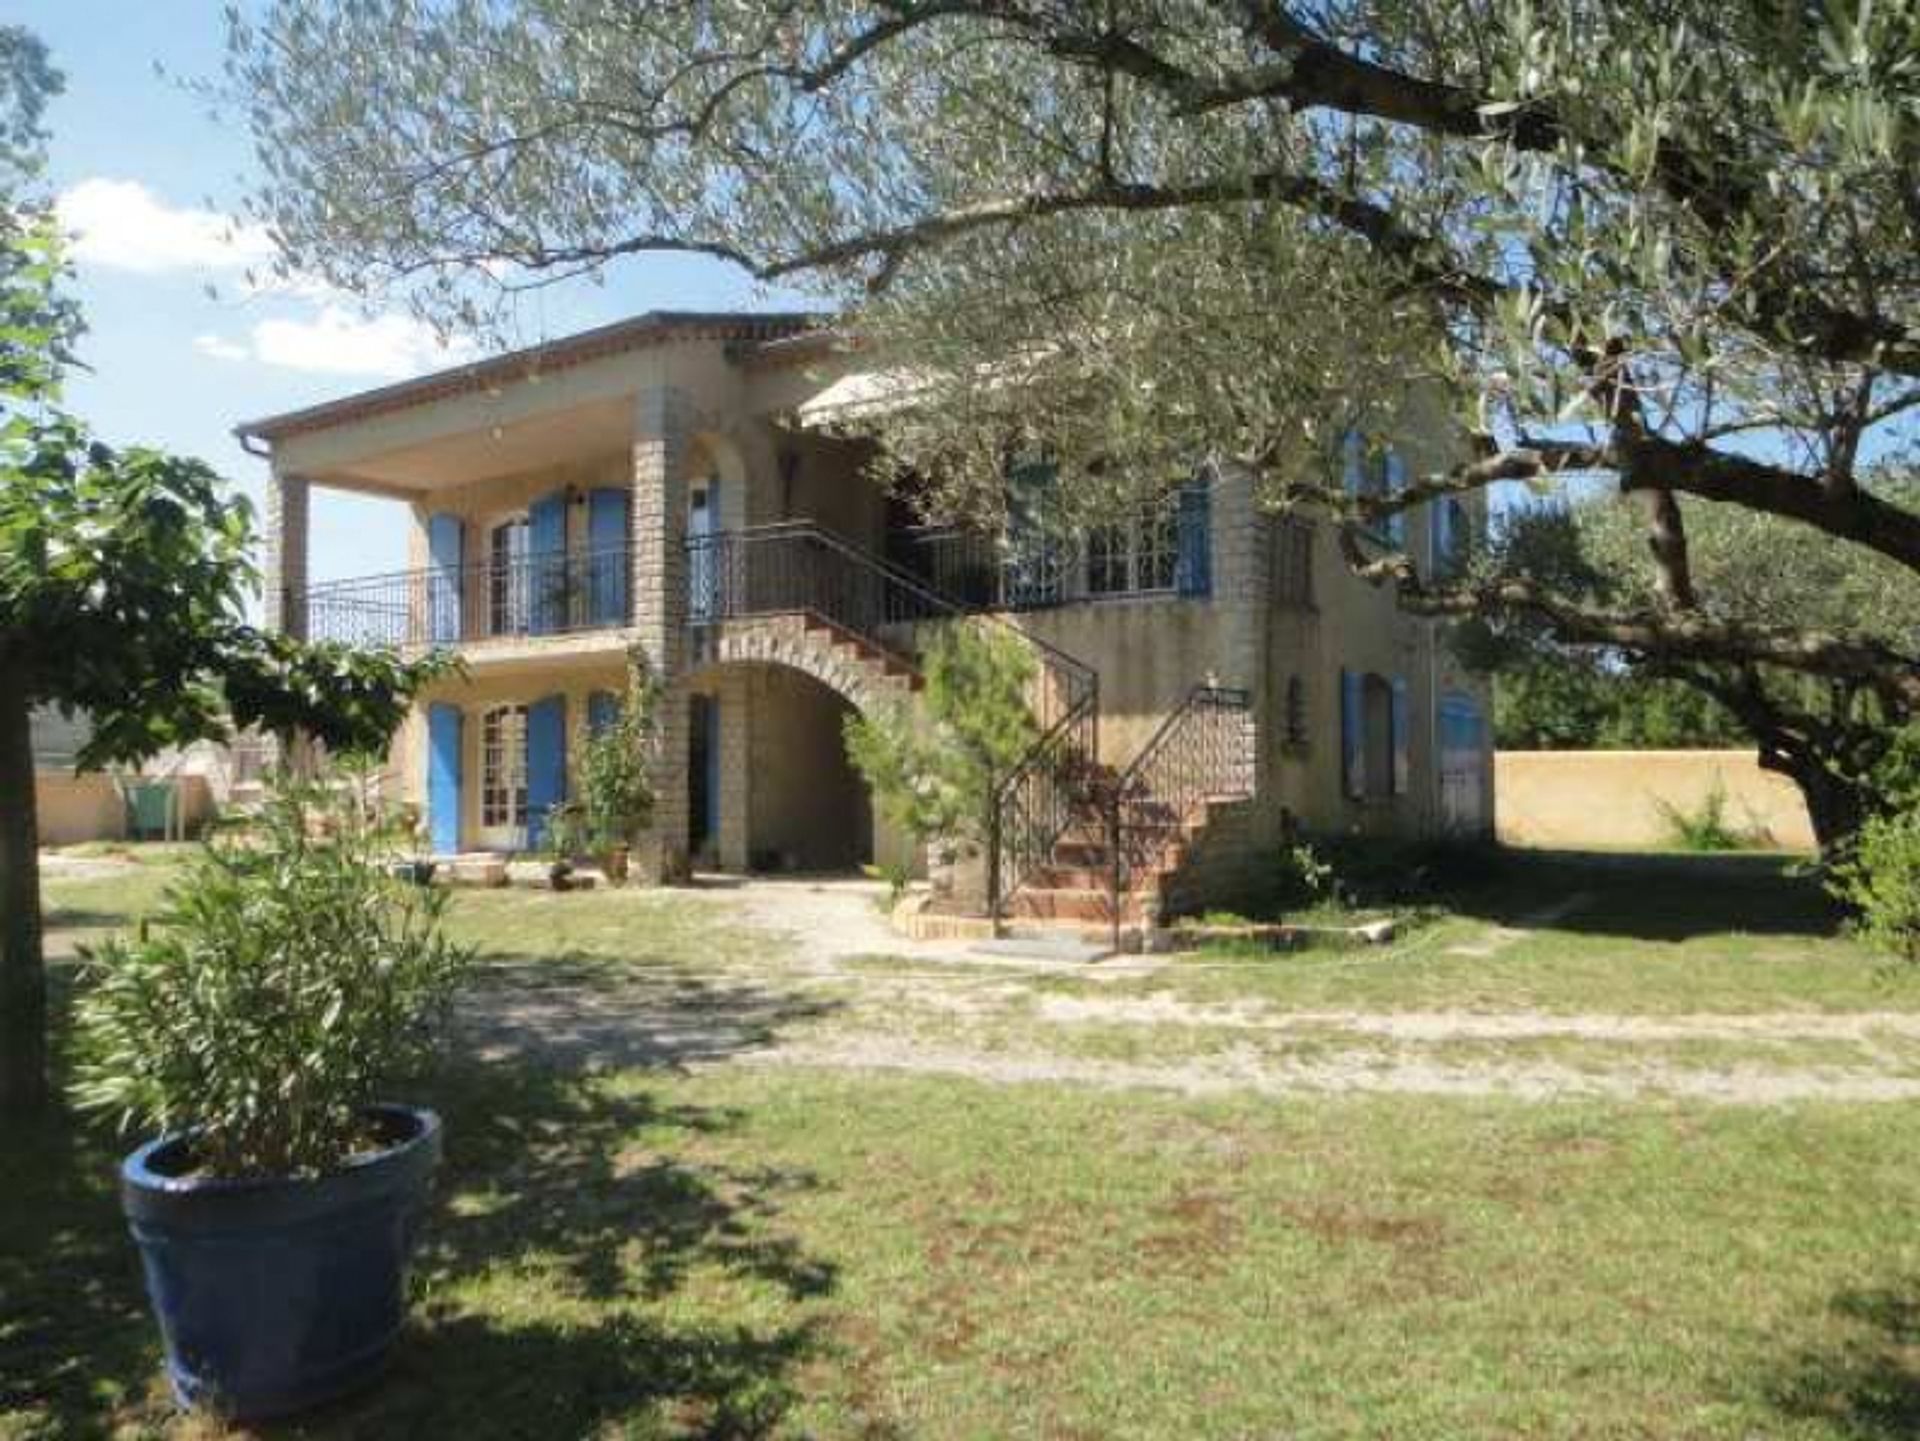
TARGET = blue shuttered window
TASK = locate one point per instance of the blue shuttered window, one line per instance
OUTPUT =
(1353, 463)
(1396, 481)
(546, 763)
(547, 563)
(446, 545)
(443, 777)
(1193, 567)
(1353, 734)
(607, 532)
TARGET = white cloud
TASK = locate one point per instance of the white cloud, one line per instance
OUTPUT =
(339, 342)
(122, 225)
(221, 348)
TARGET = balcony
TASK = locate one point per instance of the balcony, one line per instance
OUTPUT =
(528, 596)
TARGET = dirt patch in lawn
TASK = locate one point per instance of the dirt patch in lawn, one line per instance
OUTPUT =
(1360, 1072)
(1436, 1026)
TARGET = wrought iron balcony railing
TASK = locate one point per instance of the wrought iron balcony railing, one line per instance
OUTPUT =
(531, 595)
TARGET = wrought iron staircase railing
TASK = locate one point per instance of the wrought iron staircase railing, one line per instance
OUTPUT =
(1202, 753)
(799, 566)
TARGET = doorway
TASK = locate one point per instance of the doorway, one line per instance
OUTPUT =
(703, 778)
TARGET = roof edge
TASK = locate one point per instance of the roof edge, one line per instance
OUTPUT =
(759, 328)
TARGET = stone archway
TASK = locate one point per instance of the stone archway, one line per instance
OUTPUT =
(783, 795)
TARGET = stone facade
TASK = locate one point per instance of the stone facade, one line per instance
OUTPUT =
(692, 407)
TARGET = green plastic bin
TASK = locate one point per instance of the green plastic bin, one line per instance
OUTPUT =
(149, 808)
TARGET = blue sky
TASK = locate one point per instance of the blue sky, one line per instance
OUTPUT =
(147, 174)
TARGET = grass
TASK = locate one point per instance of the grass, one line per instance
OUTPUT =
(698, 1246)
(1644, 935)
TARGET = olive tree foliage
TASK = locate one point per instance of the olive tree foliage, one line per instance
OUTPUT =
(1672, 246)
(29, 82)
(1834, 736)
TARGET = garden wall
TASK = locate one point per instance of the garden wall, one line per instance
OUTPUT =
(75, 808)
(1610, 799)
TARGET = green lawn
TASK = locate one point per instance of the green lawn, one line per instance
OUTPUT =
(724, 1247)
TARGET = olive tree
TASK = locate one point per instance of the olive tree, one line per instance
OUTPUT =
(1673, 249)
(1831, 735)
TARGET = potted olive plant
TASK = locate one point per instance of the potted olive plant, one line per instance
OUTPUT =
(563, 840)
(290, 979)
(616, 792)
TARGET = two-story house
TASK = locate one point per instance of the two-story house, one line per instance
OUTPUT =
(1209, 678)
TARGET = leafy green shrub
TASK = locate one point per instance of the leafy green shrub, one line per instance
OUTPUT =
(288, 979)
(898, 875)
(939, 781)
(1308, 878)
(1880, 878)
(1705, 828)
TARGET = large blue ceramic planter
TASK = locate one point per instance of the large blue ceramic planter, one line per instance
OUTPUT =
(278, 1294)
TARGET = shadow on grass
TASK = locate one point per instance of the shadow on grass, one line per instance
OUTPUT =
(575, 1011)
(548, 1275)
(75, 1339)
(1651, 897)
(1870, 1390)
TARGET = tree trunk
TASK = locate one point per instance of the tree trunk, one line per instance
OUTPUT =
(23, 977)
(1836, 807)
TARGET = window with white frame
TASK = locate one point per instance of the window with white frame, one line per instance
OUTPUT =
(1139, 555)
(507, 577)
(503, 767)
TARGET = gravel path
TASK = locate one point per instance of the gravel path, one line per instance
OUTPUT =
(1361, 1072)
(814, 1004)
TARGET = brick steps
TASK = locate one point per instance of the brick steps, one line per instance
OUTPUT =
(847, 643)
(1073, 885)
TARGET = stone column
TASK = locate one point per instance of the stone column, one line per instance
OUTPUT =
(1242, 605)
(284, 597)
(659, 517)
(285, 600)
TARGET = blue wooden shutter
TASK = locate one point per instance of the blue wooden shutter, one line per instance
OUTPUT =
(446, 542)
(1441, 513)
(1396, 476)
(1193, 566)
(1402, 740)
(1353, 463)
(603, 710)
(547, 563)
(1353, 734)
(443, 777)
(607, 541)
(546, 763)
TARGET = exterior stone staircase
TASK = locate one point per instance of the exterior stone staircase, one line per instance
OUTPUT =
(1134, 830)
(1091, 846)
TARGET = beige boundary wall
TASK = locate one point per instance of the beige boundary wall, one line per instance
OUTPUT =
(76, 808)
(1580, 799)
